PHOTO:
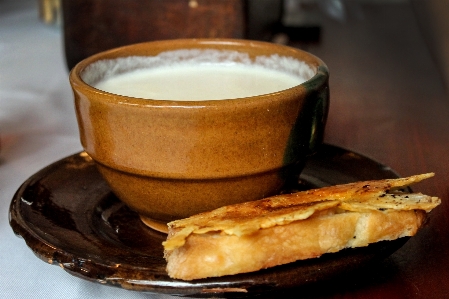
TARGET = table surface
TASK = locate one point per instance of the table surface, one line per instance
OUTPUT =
(388, 102)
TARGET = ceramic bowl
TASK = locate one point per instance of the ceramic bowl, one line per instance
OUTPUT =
(171, 159)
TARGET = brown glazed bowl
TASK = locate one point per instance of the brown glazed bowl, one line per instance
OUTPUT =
(171, 159)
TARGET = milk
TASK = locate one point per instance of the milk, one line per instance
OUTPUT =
(204, 82)
(187, 75)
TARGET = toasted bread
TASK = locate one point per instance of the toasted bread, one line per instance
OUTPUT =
(284, 228)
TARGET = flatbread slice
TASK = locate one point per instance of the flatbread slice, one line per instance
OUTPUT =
(285, 228)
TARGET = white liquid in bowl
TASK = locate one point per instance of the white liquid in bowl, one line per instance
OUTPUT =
(197, 75)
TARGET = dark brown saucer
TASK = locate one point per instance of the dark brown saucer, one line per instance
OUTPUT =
(69, 217)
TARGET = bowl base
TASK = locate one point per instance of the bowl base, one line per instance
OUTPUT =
(154, 224)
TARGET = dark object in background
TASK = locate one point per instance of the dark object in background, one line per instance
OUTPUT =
(304, 34)
(92, 26)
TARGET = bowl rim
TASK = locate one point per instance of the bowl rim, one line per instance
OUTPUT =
(320, 68)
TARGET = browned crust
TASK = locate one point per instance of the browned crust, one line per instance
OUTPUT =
(285, 228)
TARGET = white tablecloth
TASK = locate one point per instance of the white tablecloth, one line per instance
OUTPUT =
(37, 127)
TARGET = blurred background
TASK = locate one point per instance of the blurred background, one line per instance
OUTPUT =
(90, 26)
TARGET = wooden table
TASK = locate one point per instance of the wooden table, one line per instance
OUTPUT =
(388, 102)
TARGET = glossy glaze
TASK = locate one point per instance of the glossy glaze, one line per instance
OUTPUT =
(169, 160)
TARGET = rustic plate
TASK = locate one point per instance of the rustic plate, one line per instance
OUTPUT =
(69, 217)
